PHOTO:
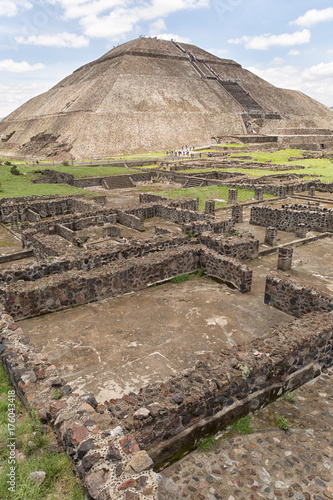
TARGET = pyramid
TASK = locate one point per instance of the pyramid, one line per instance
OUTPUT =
(149, 94)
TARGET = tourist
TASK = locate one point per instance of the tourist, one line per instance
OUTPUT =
(37, 161)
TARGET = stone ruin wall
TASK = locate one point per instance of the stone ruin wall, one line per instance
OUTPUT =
(49, 207)
(166, 416)
(45, 246)
(295, 299)
(68, 234)
(129, 220)
(288, 219)
(241, 247)
(163, 417)
(63, 290)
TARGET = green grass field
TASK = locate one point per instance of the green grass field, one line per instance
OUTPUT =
(320, 167)
(12, 186)
(209, 192)
(21, 185)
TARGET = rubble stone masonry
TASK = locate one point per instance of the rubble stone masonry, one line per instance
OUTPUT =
(294, 298)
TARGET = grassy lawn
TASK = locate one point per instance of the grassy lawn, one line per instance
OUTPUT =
(36, 449)
(21, 185)
(209, 192)
(323, 167)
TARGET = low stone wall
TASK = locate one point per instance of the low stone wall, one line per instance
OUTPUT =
(87, 182)
(68, 235)
(151, 198)
(52, 293)
(78, 221)
(227, 269)
(216, 226)
(288, 219)
(54, 177)
(144, 176)
(326, 187)
(294, 298)
(46, 246)
(227, 386)
(241, 247)
(130, 220)
(46, 207)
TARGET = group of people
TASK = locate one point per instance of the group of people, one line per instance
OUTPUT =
(183, 151)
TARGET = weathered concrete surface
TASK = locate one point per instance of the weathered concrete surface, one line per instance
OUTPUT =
(269, 463)
(8, 242)
(117, 345)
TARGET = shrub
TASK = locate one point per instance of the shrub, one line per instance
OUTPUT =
(14, 170)
(8, 163)
(65, 163)
(283, 423)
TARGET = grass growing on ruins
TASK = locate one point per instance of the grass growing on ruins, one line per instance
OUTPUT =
(209, 192)
(207, 444)
(185, 277)
(317, 166)
(80, 172)
(34, 453)
(242, 426)
(283, 423)
(290, 397)
(21, 185)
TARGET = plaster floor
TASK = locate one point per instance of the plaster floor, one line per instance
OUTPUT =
(118, 345)
(8, 242)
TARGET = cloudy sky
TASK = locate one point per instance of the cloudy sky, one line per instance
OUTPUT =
(287, 42)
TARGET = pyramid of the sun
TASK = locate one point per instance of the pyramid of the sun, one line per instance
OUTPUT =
(150, 94)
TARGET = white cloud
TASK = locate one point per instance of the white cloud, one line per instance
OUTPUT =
(75, 9)
(10, 8)
(315, 81)
(264, 42)
(57, 40)
(115, 18)
(320, 72)
(277, 61)
(218, 52)
(314, 16)
(19, 67)
(158, 25)
(13, 95)
(294, 52)
(281, 76)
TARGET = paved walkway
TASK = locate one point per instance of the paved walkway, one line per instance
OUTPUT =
(269, 463)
